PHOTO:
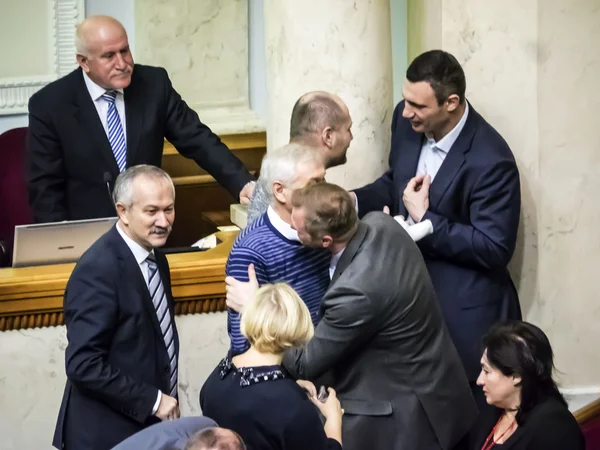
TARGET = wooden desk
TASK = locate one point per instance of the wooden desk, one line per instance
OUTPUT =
(32, 297)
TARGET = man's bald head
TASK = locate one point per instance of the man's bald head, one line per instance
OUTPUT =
(322, 120)
(103, 52)
(215, 439)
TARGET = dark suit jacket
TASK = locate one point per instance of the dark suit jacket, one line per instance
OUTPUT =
(382, 335)
(116, 359)
(69, 153)
(549, 426)
(474, 206)
(168, 435)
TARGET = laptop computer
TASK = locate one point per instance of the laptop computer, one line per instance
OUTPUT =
(57, 242)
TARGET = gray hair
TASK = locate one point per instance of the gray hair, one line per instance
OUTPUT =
(123, 191)
(282, 164)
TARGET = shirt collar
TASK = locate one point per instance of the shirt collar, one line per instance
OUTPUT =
(95, 91)
(446, 143)
(139, 253)
(335, 259)
(282, 227)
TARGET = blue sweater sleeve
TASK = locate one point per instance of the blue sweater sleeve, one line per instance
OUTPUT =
(237, 267)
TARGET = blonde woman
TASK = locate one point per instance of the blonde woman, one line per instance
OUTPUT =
(253, 395)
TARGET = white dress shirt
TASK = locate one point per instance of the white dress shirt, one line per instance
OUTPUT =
(334, 262)
(101, 105)
(140, 254)
(433, 153)
(285, 229)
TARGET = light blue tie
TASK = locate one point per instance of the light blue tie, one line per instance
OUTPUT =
(159, 299)
(116, 137)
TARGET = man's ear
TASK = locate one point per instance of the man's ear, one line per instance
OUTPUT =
(453, 102)
(327, 136)
(83, 63)
(326, 241)
(121, 210)
(278, 188)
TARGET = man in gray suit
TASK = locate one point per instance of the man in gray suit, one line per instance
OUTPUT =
(167, 435)
(381, 336)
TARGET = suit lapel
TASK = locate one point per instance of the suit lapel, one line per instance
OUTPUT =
(133, 273)
(453, 161)
(134, 117)
(408, 159)
(87, 116)
(350, 251)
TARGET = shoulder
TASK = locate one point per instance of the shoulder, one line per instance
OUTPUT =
(487, 138)
(100, 259)
(551, 422)
(142, 73)
(57, 91)
(256, 237)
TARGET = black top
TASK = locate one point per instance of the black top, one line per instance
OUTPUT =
(266, 407)
(549, 426)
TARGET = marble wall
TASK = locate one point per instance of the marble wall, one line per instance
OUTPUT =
(204, 47)
(538, 87)
(32, 375)
(344, 48)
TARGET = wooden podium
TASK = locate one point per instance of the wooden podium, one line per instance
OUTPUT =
(32, 297)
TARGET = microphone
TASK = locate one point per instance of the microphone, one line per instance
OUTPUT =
(107, 181)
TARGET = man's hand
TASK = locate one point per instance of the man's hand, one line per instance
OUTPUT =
(246, 193)
(308, 386)
(416, 196)
(168, 409)
(239, 292)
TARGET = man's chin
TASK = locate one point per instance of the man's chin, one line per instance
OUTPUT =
(121, 82)
(158, 241)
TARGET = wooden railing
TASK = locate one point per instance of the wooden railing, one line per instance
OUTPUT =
(588, 412)
(32, 297)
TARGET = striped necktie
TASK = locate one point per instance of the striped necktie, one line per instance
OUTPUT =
(116, 137)
(159, 299)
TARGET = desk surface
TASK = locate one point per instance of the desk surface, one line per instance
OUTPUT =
(33, 296)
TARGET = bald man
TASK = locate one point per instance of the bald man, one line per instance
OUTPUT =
(320, 120)
(106, 116)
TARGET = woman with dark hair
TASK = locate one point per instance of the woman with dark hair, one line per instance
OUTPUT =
(516, 377)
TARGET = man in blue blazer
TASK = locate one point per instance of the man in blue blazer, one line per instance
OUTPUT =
(449, 166)
(122, 354)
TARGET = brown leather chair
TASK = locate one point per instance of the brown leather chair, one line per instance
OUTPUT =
(14, 203)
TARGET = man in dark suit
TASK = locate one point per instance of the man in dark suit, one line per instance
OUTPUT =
(87, 127)
(381, 337)
(449, 166)
(122, 353)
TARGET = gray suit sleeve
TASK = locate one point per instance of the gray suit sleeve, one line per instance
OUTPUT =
(350, 320)
(259, 203)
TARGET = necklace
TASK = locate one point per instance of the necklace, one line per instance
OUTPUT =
(490, 441)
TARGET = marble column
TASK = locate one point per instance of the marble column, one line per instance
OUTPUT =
(204, 47)
(538, 88)
(340, 47)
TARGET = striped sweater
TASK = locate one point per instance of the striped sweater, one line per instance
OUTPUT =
(276, 259)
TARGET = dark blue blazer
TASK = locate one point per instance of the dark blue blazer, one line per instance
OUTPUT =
(474, 206)
(116, 359)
